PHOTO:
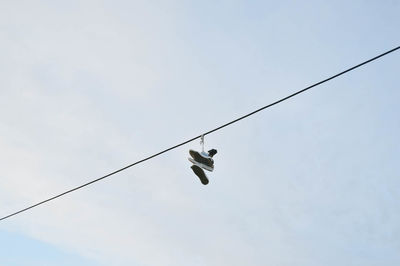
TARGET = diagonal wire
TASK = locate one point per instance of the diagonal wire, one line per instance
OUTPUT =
(206, 133)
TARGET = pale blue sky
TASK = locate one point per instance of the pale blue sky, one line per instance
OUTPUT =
(90, 86)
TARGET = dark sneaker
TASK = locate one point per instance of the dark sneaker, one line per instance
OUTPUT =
(202, 159)
(200, 173)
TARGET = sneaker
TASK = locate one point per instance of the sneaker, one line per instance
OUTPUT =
(200, 173)
(202, 159)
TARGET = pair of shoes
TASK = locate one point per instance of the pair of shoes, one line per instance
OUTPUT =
(202, 160)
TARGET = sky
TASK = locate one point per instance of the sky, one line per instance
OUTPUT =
(87, 87)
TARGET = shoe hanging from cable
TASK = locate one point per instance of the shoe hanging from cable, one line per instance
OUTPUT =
(202, 160)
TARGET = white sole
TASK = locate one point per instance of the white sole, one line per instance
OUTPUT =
(205, 167)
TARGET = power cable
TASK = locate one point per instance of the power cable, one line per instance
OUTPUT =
(208, 132)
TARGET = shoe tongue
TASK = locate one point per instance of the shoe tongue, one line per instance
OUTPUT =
(204, 154)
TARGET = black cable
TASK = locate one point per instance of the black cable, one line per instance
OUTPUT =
(208, 132)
